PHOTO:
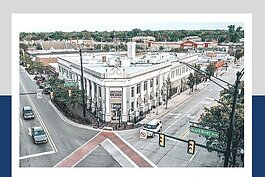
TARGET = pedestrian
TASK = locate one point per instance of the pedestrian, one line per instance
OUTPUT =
(242, 155)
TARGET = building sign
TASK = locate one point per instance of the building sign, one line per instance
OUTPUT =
(115, 94)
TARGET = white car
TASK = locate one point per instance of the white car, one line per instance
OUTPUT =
(154, 125)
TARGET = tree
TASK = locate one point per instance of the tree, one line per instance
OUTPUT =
(210, 69)
(191, 82)
(239, 53)
(198, 76)
(217, 118)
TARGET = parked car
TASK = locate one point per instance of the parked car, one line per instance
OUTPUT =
(28, 113)
(154, 125)
(39, 135)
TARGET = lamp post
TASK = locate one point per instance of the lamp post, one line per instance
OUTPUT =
(119, 114)
(129, 115)
(82, 83)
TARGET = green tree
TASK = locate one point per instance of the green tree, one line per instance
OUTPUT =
(191, 81)
(210, 69)
(217, 118)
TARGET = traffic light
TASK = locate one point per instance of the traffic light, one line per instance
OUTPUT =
(191, 147)
(162, 140)
(51, 95)
(69, 93)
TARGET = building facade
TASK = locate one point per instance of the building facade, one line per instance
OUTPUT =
(126, 93)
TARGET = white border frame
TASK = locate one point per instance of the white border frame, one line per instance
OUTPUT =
(19, 24)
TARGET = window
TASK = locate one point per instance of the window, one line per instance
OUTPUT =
(151, 82)
(132, 106)
(132, 91)
(145, 85)
(156, 80)
(138, 88)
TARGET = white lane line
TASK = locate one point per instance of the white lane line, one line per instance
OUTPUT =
(21, 121)
(120, 151)
(36, 155)
(40, 120)
(135, 150)
(193, 156)
(192, 117)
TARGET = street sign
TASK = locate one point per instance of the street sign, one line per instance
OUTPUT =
(203, 131)
(39, 93)
(143, 134)
(70, 84)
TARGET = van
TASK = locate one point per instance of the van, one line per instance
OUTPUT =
(27, 112)
(154, 125)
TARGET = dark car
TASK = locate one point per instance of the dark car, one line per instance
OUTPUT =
(38, 135)
(27, 113)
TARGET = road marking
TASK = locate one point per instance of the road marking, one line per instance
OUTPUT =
(40, 120)
(36, 155)
(29, 131)
(184, 134)
(177, 116)
(209, 98)
(193, 156)
(21, 121)
(122, 153)
(85, 156)
(192, 117)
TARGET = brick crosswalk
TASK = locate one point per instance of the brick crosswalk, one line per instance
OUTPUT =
(75, 157)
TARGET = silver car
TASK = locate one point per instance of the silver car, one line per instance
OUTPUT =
(38, 135)
(27, 112)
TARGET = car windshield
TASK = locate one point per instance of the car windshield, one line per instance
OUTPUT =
(39, 132)
(149, 126)
(28, 112)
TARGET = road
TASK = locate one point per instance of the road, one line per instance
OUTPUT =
(176, 124)
(63, 137)
(66, 139)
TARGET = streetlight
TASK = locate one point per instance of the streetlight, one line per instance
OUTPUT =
(158, 94)
(119, 114)
(129, 115)
(82, 83)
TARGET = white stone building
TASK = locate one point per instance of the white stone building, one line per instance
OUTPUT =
(133, 88)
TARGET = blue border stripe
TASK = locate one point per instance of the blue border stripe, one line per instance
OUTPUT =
(258, 136)
(5, 132)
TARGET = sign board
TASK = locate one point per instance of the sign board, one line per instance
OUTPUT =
(70, 84)
(39, 93)
(143, 134)
(205, 132)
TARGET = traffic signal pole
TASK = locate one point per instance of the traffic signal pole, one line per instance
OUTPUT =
(231, 124)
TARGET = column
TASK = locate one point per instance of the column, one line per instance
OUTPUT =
(124, 105)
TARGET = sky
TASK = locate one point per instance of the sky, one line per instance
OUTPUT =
(68, 22)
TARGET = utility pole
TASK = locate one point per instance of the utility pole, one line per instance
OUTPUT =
(82, 83)
(231, 124)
